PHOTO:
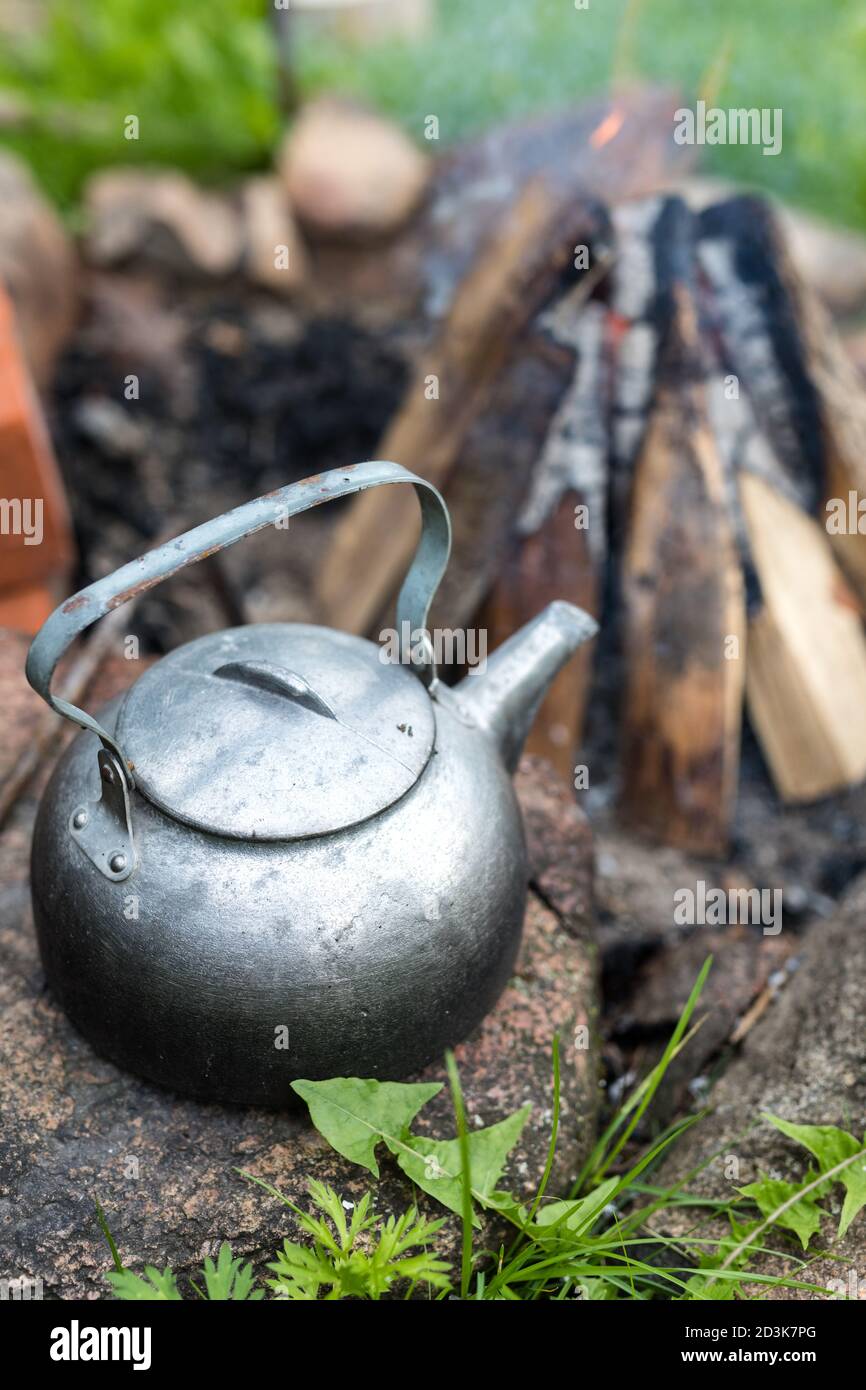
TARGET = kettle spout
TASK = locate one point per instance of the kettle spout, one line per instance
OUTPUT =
(504, 698)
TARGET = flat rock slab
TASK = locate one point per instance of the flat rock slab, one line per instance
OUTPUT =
(804, 1062)
(164, 1168)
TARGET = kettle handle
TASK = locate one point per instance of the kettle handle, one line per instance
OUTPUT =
(101, 597)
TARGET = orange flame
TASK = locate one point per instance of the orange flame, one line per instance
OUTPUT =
(607, 129)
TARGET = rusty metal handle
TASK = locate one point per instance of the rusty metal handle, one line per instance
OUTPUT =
(92, 603)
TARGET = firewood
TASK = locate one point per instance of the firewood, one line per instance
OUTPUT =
(560, 544)
(755, 317)
(506, 213)
(684, 618)
(608, 148)
(553, 562)
(488, 488)
(635, 335)
(530, 260)
(806, 669)
(791, 363)
(842, 399)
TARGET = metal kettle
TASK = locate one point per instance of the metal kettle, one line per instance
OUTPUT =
(279, 855)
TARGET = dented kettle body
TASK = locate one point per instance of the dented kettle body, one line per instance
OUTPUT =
(226, 969)
(278, 856)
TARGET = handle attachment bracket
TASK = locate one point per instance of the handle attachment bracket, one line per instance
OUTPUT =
(103, 828)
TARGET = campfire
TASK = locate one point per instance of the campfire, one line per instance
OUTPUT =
(643, 429)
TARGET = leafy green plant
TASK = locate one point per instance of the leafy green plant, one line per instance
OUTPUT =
(605, 1240)
(153, 1288)
(841, 1158)
(202, 84)
(355, 1116)
(228, 1279)
(336, 1265)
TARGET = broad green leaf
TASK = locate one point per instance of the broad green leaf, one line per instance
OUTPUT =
(434, 1164)
(506, 1203)
(355, 1114)
(854, 1179)
(579, 1216)
(705, 1286)
(831, 1146)
(803, 1218)
(153, 1288)
(702, 1287)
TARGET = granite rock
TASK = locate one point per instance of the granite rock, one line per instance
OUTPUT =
(804, 1062)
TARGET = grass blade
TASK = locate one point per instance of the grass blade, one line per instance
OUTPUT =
(100, 1216)
(465, 1174)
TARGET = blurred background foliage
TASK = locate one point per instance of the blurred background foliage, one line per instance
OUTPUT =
(203, 79)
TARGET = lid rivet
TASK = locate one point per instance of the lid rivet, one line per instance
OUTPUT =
(107, 774)
(79, 818)
(117, 862)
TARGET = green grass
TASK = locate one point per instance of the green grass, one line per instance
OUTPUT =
(203, 80)
(605, 1241)
(492, 61)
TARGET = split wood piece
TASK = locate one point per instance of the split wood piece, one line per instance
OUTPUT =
(35, 534)
(654, 253)
(551, 563)
(488, 488)
(511, 469)
(684, 616)
(560, 546)
(742, 448)
(807, 393)
(514, 276)
(753, 313)
(806, 670)
(842, 404)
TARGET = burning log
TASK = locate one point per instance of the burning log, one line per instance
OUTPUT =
(560, 544)
(770, 409)
(508, 212)
(682, 593)
(796, 435)
(662, 431)
(514, 278)
(808, 394)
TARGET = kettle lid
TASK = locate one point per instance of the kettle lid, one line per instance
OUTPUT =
(276, 732)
